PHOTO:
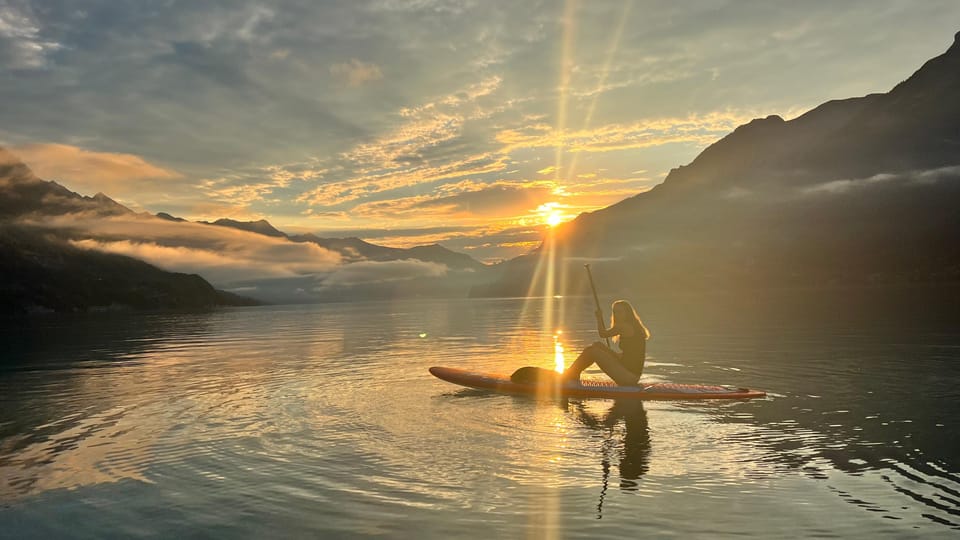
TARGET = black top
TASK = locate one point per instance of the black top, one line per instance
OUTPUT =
(634, 349)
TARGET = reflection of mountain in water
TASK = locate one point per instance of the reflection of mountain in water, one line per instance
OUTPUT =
(54, 371)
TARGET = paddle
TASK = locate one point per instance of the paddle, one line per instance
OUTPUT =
(596, 301)
(536, 375)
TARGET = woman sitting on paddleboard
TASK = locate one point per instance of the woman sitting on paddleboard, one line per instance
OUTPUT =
(624, 367)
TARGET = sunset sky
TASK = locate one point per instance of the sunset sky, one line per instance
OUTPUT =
(468, 122)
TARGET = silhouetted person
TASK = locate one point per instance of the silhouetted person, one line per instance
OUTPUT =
(624, 367)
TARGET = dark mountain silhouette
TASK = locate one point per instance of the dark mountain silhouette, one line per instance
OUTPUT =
(24, 194)
(41, 271)
(260, 227)
(168, 217)
(856, 191)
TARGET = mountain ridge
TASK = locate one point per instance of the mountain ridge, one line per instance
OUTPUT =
(355, 249)
(41, 216)
(853, 191)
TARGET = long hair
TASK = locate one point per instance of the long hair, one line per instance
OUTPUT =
(631, 313)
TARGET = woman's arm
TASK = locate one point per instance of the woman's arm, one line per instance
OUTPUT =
(602, 328)
(615, 330)
(605, 333)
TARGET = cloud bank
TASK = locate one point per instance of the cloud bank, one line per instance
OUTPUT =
(220, 254)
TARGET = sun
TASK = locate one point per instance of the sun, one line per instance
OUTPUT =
(554, 218)
(551, 213)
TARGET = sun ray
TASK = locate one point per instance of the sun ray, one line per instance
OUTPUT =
(566, 70)
(612, 50)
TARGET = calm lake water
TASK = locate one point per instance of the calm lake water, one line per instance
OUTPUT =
(322, 421)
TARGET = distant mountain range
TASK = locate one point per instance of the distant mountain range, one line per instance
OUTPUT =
(354, 249)
(46, 260)
(861, 191)
(42, 271)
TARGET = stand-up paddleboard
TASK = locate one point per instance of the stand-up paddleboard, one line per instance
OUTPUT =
(552, 386)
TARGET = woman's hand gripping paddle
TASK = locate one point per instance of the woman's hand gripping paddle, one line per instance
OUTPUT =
(596, 301)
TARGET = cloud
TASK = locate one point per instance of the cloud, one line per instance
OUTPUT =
(847, 185)
(356, 73)
(366, 272)
(497, 200)
(95, 171)
(700, 129)
(239, 196)
(22, 45)
(219, 254)
(378, 182)
(466, 200)
(393, 233)
(413, 153)
(424, 147)
(493, 245)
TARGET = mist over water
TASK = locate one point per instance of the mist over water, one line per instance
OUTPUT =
(323, 420)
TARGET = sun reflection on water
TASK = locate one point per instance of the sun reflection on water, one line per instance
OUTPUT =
(559, 363)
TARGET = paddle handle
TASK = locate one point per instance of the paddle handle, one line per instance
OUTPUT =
(596, 301)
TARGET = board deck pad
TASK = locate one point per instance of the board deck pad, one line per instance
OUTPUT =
(591, 388)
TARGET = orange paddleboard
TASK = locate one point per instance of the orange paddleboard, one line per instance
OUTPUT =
(592, 389)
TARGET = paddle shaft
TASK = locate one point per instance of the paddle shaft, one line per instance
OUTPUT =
(596, 300)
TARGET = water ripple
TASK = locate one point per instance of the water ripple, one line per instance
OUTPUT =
(312, 419)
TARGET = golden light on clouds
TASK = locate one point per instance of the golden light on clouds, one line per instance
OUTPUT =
(220, 254)
(701, 129)
(91, 170)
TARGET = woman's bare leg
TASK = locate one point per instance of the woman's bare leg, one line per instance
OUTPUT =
(606, 360)
(585, 360)
(611, 365)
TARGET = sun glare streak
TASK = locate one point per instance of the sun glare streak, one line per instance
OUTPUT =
(550, 285)
(611, 54)
(555, 217)
(566, 70)
(604, 73)
(551, 503)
